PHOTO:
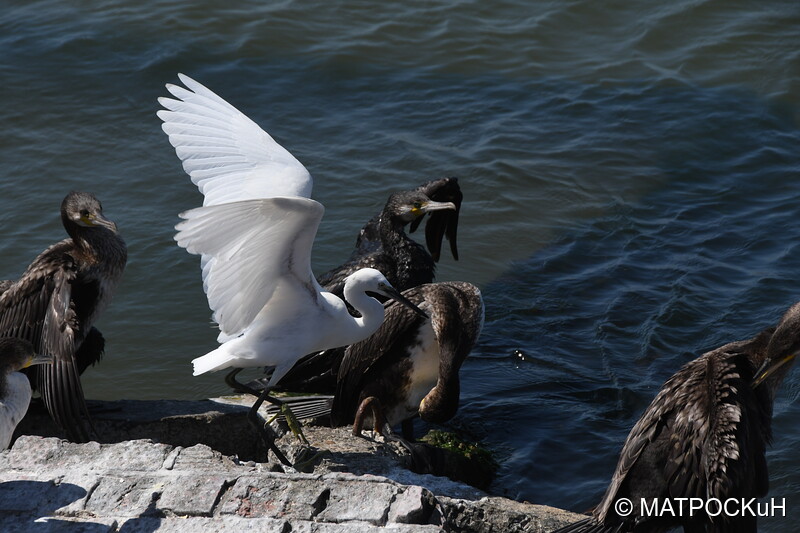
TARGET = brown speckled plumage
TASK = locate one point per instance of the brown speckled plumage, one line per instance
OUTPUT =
(55, 302)
(381, 365)
(703, 436)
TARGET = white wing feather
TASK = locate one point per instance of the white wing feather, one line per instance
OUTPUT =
(250, 248)
(227, 155)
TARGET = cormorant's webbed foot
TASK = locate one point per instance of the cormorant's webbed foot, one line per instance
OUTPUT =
(378, 419)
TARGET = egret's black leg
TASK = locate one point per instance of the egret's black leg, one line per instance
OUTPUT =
(256, 421)
(238, 386)
(232, 382)
(294, 424)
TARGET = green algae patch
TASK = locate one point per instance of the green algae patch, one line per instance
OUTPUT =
(471, 451)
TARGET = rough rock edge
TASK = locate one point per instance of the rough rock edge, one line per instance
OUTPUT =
(139, 485)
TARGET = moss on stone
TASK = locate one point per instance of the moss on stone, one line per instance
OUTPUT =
(451, 441)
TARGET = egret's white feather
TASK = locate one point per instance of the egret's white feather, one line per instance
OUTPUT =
(251, 247)
(227, 155)
(254, 234)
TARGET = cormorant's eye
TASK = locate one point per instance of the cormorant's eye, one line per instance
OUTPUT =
(84, 212)
(417, 205)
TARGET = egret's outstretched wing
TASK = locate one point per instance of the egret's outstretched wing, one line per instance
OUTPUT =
(228, 156)
(253, 247)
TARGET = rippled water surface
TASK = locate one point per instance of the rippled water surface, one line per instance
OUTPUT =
(630, 173)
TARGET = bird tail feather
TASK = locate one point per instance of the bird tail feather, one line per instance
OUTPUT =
(213, 360)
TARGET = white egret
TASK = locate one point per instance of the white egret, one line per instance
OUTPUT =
(254, 234)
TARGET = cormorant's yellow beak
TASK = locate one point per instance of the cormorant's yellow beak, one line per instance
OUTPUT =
(420, 209)
(92, 220)
(38, 359)
(770, 366)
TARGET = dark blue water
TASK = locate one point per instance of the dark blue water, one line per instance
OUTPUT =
(629, 172)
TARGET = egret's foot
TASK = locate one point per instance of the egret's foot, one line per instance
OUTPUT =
(263, 429)
(293, 423)
(307, 458)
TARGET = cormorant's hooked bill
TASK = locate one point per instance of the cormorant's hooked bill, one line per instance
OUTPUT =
(39, 359)
(443, 223)
(770, 366)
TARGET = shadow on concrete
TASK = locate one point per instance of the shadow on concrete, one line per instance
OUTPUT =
(149, 522)
(30, 505)
(173, 422)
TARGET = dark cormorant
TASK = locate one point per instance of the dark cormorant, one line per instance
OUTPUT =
(56, 301)
(703, 436)
(440, 223)
(383, 244)
(410, 365)
(403, 261)
(15, 390)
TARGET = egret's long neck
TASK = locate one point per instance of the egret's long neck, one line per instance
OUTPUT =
(371, 313)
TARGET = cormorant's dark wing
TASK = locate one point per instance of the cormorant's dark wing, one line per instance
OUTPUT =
(363, 359)
(740, 429)
(91, 350)
(369, 238)
(315, 372)
(37, 308)
(706, 451)
(442, 223)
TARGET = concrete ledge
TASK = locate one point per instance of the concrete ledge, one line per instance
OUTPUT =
(48, 484)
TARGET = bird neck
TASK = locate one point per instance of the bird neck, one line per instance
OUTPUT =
(757, 353)
(392, 230)
(441, 403)
(415, 264)
(371, 313)
(96, 243)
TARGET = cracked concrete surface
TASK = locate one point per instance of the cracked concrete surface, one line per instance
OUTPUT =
(141, 486)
